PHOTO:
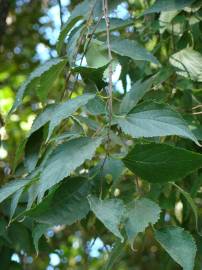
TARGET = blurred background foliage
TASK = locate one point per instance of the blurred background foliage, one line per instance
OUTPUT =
(27, 38)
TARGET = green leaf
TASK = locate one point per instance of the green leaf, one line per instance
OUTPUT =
(140, 213)
(66, 205)
(93, 75)
(152, 119)
(32, 149)
(65, 159)
(54, 114)
(161, 162)
(132, 49)
(14, 202)
(191, 203)
(11, 187)
(40, 80)
(138, 90)
(110, 212)
(115, 24)
(80, 12)
(188, 64)
(171, 5)
(96, 106)
(38, 231)
(179, 244)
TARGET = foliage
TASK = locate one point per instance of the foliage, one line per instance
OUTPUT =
(100, 161)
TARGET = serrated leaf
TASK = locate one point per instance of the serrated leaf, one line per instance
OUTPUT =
(11, 187)
(132, 49)
(66, 205)
(138, 90)
(140, 213)
(65, 159)
(162, 163)
(179, 244)
(188, 63)
(110, 212)
(38, 231)
(171, 5)
(151, 119)
(55, 113)
(40, 80)
(80, 12)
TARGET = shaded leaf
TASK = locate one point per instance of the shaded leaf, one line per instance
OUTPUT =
(38, 231)
(66, 205)
(115, 254)
(109, 212)
(14, 202)
(138, 90)
(65, 159)
(115, 24)
(179, 244)
(161, 162)
(152, 119)
(140, 213)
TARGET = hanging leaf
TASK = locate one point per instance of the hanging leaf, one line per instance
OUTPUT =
(66, 205)
(32, 149)
(179, 244)
(161, 162)
(171, 5)
(65, 159)
(188, 64)
(14, 202)
(137, 92)
(38, 231)
(115, 255)
(110, 212)
(140, 213)
(132, 49)
(40, 80)
(152, 119)
(54, 114)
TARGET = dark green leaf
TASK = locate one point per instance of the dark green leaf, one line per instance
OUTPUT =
(37, 233)
(161, 162)
(115, 254)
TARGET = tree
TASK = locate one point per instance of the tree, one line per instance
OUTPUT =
(109, 173)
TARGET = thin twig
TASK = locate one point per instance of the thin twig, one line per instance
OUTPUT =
(195, 113)
(106, 16)
(197, 106)
(60, 8)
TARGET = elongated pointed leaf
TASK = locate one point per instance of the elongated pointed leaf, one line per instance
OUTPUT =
(65, 159)
(136, 93)
(37, 233)
(115, 255)
(40, 79)
(140, 214)
(171, 5)
(179, 244)
(66, 205)
(188, 63)
(132, 49)
(11, 187)
(14, 202)
(152, 119)
(110, 212)
(115, 24)
(54, 114)
(161, 162)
